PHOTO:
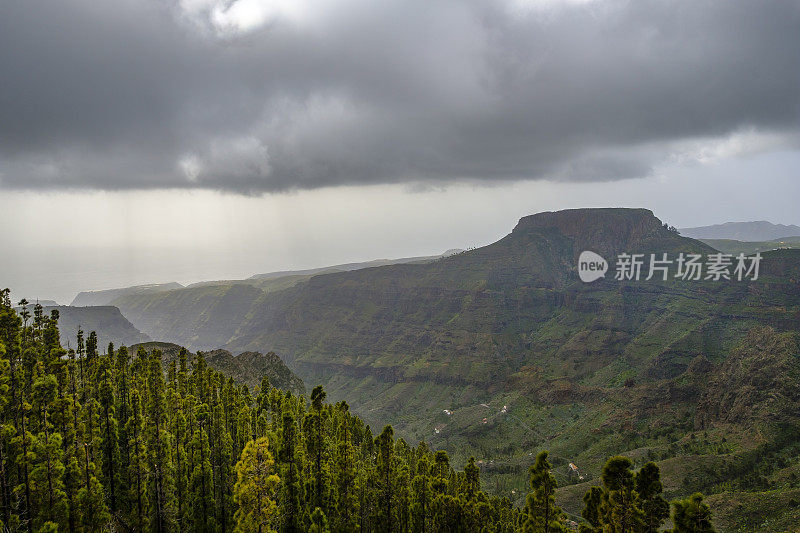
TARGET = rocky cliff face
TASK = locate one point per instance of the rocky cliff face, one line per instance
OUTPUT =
(248, 368)
(610, 231)
(613, 222)
(200, 318)
(106, 320)
(757, 381)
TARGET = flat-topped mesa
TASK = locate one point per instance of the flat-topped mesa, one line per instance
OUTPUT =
(574, 222)
(607, 230)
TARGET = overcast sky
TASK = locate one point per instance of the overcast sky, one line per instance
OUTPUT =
(152, 140)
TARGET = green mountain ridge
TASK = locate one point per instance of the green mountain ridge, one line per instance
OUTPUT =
(105, 297)
(346, 267)
(247, 368)
(501, 351)
(190, 315)
(743, 231)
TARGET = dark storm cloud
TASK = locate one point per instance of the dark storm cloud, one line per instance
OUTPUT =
(138, 94)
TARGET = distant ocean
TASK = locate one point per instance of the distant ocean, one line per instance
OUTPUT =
(59, 274)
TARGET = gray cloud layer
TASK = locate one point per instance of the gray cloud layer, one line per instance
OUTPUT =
(141, 94)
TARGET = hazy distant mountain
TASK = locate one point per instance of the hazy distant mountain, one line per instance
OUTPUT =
(107, 296)
(743, 231)
(45, 303)
(200, 315)
(106, 320)
(347, 267)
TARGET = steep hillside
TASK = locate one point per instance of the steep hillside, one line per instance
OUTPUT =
(46, 303)
(501, 351)
(757, 381)
(193, 315)
(247, 368)
(200, 318)
(106, 320)
(481, 310)
(105, 297)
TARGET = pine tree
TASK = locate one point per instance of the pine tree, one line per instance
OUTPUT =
(72, 447)
(541, 512)
(72, 486)
(10, 324)
(655, 508)
(621, 513)
(244, 430)
(162, 491)
(292, 493)
(138, 501)
(402, 490)
(385, 463)
(592, 511)
(255, 488)
(421, 497)
(224, 475)
(344, 478)
(366, 482)
(181, 472)
(313, 428)
(81, 361)
(440, 471)
(5, 400)
(91, 501)
(94, 511)
(24, 443)
(691, 515)
(319, 522)
(473, 482)
(110, 431)
(91, 347)
(46, 476)
(202, 479)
